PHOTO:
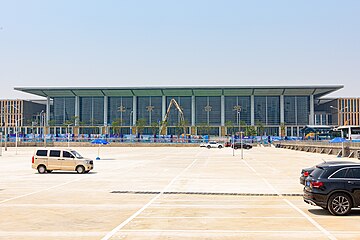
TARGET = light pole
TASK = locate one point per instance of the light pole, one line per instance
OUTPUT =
(68, 135)
(342, 132)
(131, 113)
(240, 134)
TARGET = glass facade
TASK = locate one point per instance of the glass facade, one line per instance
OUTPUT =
(63, 109)
(92, 111)
(297, 110)
(208, 110)
(120, 111)
(209, 117)
(267, 109)
(150, 109)
(232, 105)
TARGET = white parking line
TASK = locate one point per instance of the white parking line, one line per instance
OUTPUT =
(42, 190)
(311, 220)
(124, 223)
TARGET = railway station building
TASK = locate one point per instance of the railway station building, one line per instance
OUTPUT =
(216, 110)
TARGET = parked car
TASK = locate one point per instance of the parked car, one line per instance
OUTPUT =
(227, 144)
(238, 145)
(334, 186)
(48, 160)
(305, 172)
(212, 144)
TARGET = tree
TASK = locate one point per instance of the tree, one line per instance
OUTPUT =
(250, 131)
(203, 129)
(230, 127)
(116, 125)
(154, 128)
(140, 125)
(282, 129)
(180, 127)
(52, 122)
(260, 128)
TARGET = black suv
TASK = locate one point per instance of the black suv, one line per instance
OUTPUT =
(334, 186)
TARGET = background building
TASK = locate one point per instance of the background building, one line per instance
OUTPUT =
(207, 110)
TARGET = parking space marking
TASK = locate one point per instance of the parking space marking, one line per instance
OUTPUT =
(209, 217)
(124, 223)
(311, 220)
(43, 190)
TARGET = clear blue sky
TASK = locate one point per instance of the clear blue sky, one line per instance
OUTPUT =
(204, 42)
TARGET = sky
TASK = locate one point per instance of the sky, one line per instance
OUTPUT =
(117, 43)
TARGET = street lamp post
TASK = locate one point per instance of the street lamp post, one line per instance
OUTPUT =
(130, 115)
(68, 135)
(342, 132)
(240, 134)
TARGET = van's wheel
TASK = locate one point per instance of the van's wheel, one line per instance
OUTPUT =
(41, 169)
(209, 147)
(339, 204)
(80, 169)
(219, 146)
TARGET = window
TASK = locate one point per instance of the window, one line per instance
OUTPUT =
(353, 173)
(55, 153)
(67, 155)
(41, 153)
(339, 174)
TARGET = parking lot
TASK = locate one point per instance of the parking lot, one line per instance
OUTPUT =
(167, 193)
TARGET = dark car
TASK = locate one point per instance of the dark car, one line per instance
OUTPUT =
(334, 186)
(305, 172)
(238, 145)
(227, 144)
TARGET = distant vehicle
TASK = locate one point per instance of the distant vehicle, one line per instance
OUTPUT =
(212, 144)
(334, 186)
(48, 160)
(350, 132)
(244, 145)
(227, 144)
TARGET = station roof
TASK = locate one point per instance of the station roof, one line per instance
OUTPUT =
(317, 91)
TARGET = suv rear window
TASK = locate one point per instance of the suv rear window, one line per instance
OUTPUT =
(317, 172)
(41, 153)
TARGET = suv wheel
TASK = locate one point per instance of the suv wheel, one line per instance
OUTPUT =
(219, 146)
(41, 169)
(209, 146)
(339, 204)
(80, 169)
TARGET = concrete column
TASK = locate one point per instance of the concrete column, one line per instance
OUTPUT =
(77, 110)
(105, 110)
(134, 110)
(282, 109)
(193, 111)
(47, 110)
(222, 110)
(163, 111)
(312, 105)
(252, 103)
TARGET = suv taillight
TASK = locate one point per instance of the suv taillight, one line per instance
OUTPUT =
(306, 174)
(317, 184)
(32, 159)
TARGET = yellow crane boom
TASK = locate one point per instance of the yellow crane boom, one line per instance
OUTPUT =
(182, 119)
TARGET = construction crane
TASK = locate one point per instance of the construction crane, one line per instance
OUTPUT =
(182, 119)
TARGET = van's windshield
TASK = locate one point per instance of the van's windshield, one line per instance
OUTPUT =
(77, 155)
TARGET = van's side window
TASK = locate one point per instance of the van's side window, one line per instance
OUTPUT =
(67, 155)
(55, 153)
(41, 153)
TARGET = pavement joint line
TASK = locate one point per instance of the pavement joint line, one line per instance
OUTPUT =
(211, 193)
(311, 220)
(214, 217)
(219, 231)
(124, 223)
(43, 190)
